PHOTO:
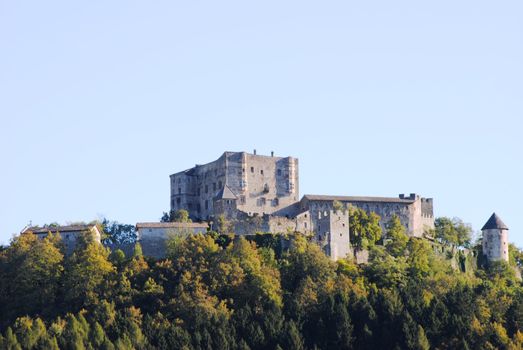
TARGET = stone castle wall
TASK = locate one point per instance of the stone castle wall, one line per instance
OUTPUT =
(262, 184)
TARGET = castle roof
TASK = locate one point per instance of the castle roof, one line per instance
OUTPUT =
(494, 223)
(225, 193)
(313, 197)
(54, 229)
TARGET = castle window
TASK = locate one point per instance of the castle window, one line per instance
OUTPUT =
(275, 202)
(199, 191)
(206, 189)
(178, 200)
(261, 171)
(305, 224)
(243, 170)
(206, 204)
(219, 184)
(279, 172)
(179, 190)
(198, 208)
(252, 169)
(214, 186)
(343, 225)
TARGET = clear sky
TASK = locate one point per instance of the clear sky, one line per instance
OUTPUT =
(100, 101)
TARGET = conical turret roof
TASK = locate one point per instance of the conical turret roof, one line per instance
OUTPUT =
(494, 223)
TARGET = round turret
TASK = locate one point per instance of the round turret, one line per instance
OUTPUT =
(495, 239)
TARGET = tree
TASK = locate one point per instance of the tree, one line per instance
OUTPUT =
(10, 342)
(86, 270)
(180, 215)
(365, 229)
(397, 238)
(27, 263)
(452, 231)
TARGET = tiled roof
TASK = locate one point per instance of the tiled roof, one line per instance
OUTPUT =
(225, 193)
(70, 228)
(171, 225)
(494, 223)
(313, 197)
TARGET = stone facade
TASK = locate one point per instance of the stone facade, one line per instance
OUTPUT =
(70, 235)
(414, 212)
(153, 235)
(259, 184)
(261, 193)
(495, 239)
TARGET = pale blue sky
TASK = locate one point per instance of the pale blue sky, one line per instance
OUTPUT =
(101, 101)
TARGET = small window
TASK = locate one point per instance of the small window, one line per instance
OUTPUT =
(261, 171)
(206, 189)
(179, 190)
(199, 191)
(305, 224)
(243, 170)
(214, 186)
(343, 225)
(178, 201)
(206, 205)
(252, 169)
(279, 172)
(341, 234)
(219, 184)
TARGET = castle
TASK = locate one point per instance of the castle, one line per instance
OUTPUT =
(261, 193)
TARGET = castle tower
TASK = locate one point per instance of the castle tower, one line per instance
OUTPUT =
(495, 239)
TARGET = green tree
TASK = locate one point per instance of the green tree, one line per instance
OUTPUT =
(86, 271)
(10, 342)
(365, 229)
(452, 231)
(27, 263)
(397, 238)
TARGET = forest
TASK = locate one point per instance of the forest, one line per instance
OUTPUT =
(216, 292)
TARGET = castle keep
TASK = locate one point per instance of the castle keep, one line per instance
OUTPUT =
(240, 181)
(261, 193)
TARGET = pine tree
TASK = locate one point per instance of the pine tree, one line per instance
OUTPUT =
(10, 341)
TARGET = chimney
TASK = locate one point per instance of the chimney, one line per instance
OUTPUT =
(272, 153)
(254, 151)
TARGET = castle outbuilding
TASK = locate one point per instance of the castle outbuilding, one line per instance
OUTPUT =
(495, 239)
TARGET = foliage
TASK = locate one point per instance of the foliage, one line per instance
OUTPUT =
(234, 293)
(452, 231)
(396, 237)
(365, 229)
(180, 215)
(118, 233)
